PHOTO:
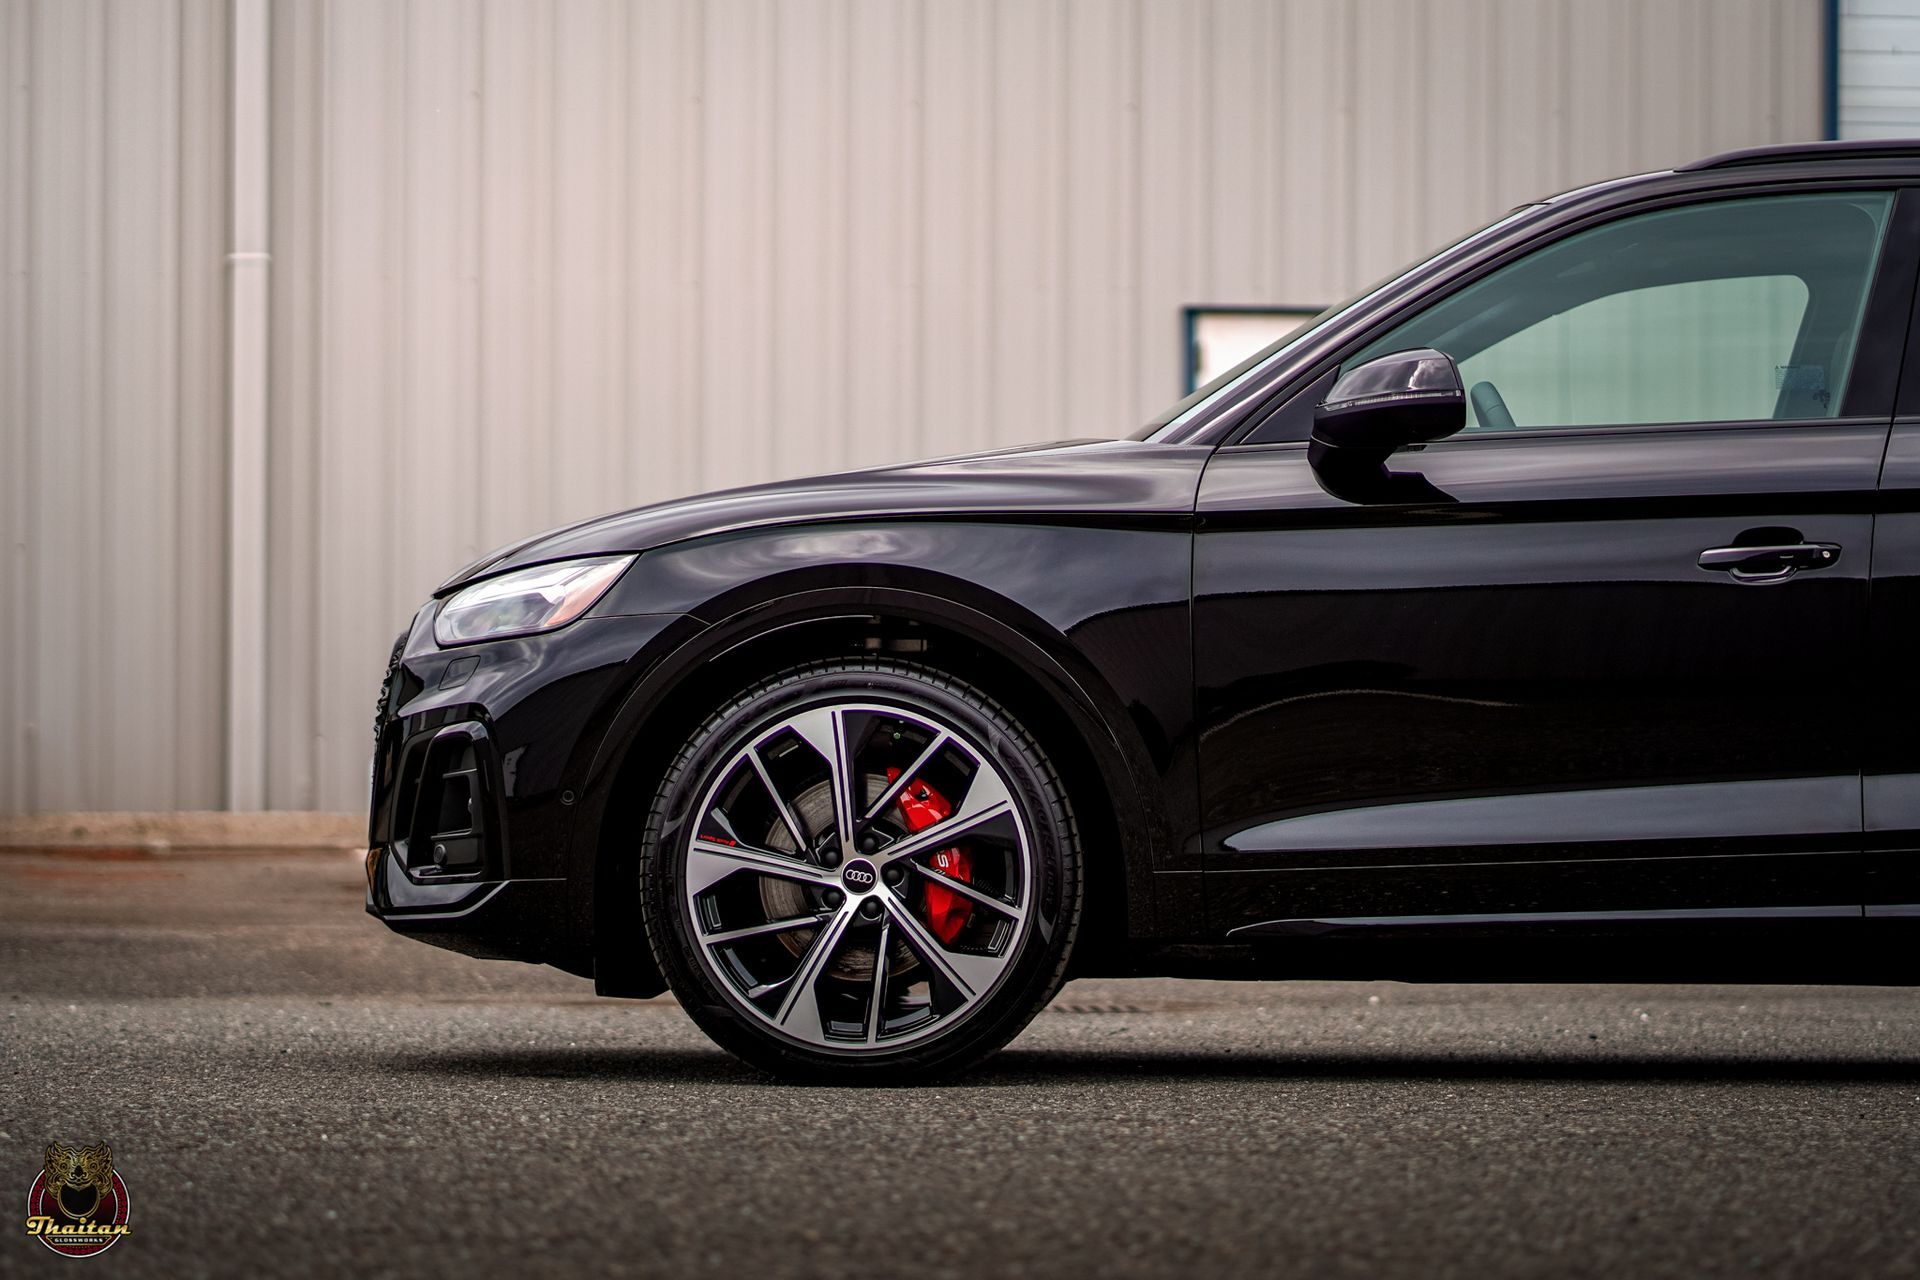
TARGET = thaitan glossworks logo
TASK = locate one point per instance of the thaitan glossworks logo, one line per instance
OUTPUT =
(77, 1207)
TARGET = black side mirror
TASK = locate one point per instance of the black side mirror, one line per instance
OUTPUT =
(1408, 397)
(1400, 399)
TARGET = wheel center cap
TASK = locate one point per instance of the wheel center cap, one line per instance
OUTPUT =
(859, 875)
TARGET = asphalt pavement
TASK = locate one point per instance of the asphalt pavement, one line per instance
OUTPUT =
(289, 1089)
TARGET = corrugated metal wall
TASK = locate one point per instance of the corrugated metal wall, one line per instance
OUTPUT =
(536, 260)
(112, 398)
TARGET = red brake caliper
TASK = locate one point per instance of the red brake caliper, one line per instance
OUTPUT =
(920, 807)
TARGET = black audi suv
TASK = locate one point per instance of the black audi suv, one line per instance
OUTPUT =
(1541, 614)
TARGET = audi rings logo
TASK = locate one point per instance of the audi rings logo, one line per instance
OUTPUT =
(858, 874)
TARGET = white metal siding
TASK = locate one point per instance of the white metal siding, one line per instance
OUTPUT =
(112, 216)
(532, 261)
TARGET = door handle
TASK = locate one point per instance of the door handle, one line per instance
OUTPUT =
(1770, 563)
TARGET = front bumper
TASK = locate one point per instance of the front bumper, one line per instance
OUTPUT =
(490, 919)
(481, 755)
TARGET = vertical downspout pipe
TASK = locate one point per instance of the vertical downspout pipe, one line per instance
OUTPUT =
(247, 278)
(1831, 122)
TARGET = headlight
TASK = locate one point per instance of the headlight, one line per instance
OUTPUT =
(537, 599)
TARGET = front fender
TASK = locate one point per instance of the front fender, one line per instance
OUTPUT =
(1095, 616)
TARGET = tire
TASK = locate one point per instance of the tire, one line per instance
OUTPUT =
(913, 949)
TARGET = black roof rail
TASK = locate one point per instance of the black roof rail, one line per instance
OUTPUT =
(1785, 153)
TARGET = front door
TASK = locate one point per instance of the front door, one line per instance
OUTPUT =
(1608, 664)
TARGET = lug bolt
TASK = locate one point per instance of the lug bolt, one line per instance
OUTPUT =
(834, 898)
(830, 857)
(868, 844)
(871, 908)
(894, 874)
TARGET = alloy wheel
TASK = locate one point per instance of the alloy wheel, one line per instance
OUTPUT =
(859, 876)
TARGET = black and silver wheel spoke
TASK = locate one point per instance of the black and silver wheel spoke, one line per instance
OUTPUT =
(877, 1002)
(709, 862)
(787, 818)
(986, 800)
(721, 937)
(799, 1013)
(969, 975)
(825, 731)
(903, 899)
(1011, 910)
(907, 775)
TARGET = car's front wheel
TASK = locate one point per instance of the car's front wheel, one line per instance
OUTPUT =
(861, 869)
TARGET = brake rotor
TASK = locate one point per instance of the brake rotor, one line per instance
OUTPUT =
(784, 898)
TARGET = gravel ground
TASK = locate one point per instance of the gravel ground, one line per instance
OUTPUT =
(289, 1088)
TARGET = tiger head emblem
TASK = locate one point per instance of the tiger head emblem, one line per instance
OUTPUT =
(78, 1178)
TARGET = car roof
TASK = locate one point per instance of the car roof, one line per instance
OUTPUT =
(1872, 158)
(1811, 152)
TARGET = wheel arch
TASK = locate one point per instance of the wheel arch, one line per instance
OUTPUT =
(954, 626)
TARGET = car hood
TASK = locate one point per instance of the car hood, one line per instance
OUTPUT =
(1068, 477)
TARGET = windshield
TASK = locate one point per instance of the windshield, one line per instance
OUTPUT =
(1184, 410)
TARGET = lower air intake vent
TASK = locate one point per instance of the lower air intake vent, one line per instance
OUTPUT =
(447, 831)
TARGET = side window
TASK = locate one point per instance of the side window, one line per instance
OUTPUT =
(1737, 310)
